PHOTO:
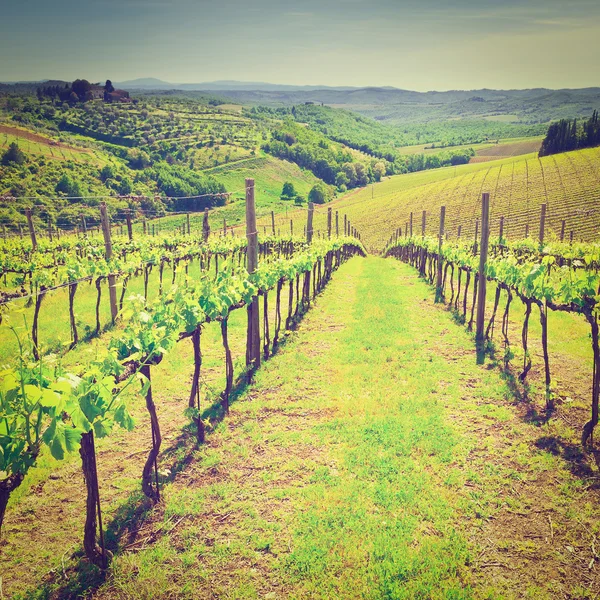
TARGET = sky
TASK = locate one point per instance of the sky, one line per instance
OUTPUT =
(411, 44)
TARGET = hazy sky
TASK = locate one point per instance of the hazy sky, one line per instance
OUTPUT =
(412, 44)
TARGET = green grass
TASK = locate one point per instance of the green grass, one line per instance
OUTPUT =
(371, 458)
(269, 174)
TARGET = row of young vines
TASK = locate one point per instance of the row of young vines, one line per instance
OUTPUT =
(44, 406)
(556, 278)
(83, 263)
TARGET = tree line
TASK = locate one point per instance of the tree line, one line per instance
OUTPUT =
(568, 134)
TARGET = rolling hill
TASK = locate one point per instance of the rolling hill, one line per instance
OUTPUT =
(568, 183)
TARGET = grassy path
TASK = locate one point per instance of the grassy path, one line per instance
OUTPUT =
(371, 459)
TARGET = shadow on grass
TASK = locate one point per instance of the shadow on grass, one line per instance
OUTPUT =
(573, 456)
(79, 578)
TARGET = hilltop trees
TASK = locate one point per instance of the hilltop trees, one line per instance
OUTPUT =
(81, 87)
(566, 135)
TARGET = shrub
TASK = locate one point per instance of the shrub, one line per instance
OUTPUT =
(14, 155)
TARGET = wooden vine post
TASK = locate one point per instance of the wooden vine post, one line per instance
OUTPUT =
(501, 234)
(329, 223)
(205, 226)
(273, 223)
(129, 228)
(438, 286)
(485, 238)
(309, 237)
(253, 331)
(31, 228)
(83, 225)
(562, 230)
(309, 223)
(337, 224)
(411, 224)
(97, 554)
(112, 290)
(345, 225)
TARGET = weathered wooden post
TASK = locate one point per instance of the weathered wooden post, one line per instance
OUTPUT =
(273, 223)
(291, 227)
(423, 223)
(144, 229)
(309, 223)
(49, 229)
(337, 224)
(31, 228)
(542, 224)
(345, 225)
(438, 286)
(83, 225)
(253, 331)
(526, 230)
(501, 235)
(329, 222)
(411, 224)
(459, 232)
(481, 294)
(187, 219)
(562, 230)
(129, 228)
(206, 226)
(112, 290)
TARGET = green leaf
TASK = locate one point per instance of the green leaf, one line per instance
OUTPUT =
(101, 429)
(123, 418)
(49, 398)
(56, 449)
(90, 409)
(72, 439)
(78, 417)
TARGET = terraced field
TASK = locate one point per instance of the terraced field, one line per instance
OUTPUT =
(34, 143)
(515, 147)
(568, 183)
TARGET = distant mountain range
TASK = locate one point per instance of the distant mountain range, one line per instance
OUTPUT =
(151, 83)
(388, 104)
